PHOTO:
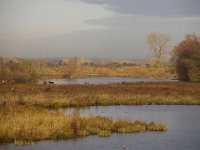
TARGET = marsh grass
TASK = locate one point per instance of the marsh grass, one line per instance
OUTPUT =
(94, 95)
(23, 142)
(29, 115)
(121, 126)
(104, 133)
(124, 71)
(22, 125)
(61, 100)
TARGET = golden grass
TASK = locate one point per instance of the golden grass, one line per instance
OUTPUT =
(23, 142)
(58, 96)
(24, 119)
(58, 100)
(126, 71)
(22, 125)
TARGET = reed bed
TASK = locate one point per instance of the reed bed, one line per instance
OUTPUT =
(27, 111)
(97, 100)
(53, 100)
(22, 125)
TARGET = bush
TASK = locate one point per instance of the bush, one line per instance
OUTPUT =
(23, 72)
(19, 70)
(186, 58)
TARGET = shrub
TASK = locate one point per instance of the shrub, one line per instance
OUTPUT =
(23, 72)
(186, 58)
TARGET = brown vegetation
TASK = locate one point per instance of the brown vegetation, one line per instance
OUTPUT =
(55, 96)
(186, 58)
(128, 71)
(22, 125)
(23, 71)
(71, 67)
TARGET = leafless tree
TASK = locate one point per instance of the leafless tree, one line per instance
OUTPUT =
(71, 66)
(158, 43)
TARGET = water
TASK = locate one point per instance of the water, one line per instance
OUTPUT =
(183, 134)
(107, 80)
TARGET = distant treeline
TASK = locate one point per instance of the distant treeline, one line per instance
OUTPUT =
(184, 65)
(110, 64)
(23, 70)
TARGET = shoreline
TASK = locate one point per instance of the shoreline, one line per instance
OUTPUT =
(58, 96)
(23, 107)
(24, 125)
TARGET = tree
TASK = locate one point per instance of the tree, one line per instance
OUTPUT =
(4, 70)
(23, 71)
(71, 66)
(186, 58)
(158, 43)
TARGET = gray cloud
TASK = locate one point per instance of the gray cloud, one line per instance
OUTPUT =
(164, 8)
(125, 38)
(125, 33)
(93, 43)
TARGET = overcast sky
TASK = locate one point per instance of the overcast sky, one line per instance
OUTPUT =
(92, 28)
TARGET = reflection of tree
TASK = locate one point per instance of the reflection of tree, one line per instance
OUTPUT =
(158, 43)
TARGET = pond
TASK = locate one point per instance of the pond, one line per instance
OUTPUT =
(107, 80)
(183, 123)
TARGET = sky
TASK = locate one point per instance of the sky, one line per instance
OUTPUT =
(92, 28)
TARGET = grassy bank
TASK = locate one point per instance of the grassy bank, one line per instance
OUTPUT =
(24, 117)
(127, 71)
(123, 71)
(57, 96)
(22, 125)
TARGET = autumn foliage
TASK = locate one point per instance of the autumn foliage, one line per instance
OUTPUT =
(186, 58)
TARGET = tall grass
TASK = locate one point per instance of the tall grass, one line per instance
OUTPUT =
(24, 124)
(56, 100)
(124, 71)
(24, 119)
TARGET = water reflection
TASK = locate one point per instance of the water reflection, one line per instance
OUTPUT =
(188, 117)
(183, 134)
(107, 80)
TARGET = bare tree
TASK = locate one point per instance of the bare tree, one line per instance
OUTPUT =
(71, 66)
(158, 43)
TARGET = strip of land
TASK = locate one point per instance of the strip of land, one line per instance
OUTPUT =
(25, 115)
(57, 96)
(22, 124)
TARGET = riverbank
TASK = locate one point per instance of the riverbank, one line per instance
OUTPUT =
(22, 124)
(123, 71)
(27, 111)
(57, 96)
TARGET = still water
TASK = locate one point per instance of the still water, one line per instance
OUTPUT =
(107, 80)
(183, 123)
